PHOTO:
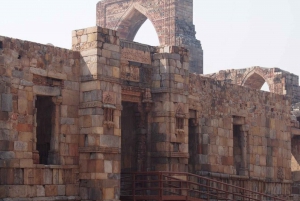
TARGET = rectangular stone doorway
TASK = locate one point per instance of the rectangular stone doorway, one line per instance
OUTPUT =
(44, 120)
(129, 126)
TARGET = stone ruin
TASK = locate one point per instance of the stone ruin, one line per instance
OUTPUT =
(72, 121)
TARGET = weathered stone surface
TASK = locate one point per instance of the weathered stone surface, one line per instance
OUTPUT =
(109, 141)
(65, 113)
(7, 155)
(6, 102)
(46, 91)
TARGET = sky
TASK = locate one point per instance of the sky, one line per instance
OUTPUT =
(234, 33)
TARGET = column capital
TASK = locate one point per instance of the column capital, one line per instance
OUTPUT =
(57, 100)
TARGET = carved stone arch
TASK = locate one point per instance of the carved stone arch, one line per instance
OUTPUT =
(132, 20)
(255, 79)
(173, 26)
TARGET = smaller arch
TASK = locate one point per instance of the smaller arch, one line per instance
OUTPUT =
(255, 80)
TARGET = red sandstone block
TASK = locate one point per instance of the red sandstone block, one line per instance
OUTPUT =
(83, 167)
(3, 191)
(72, 190)
(24, 128)
(73, 149)
(6, 177)
(99, 166)
(50, 190)
(81, 140)
(91, 166)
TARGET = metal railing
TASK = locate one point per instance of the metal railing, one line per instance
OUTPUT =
(183, 186)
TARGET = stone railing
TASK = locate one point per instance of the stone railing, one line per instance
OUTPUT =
(281, 189)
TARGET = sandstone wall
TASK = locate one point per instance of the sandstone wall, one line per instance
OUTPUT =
(180, 121)
(28, 70)
(266, 119)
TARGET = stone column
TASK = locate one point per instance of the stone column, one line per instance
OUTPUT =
(54, 158)
(169, 89)
(142, 140)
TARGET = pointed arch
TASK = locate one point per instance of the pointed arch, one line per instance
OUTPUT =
(255, 79)
(131, 22)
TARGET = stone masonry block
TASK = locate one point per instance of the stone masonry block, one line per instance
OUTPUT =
(6, 102)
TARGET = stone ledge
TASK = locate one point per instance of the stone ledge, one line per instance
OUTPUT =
(41, 166)
(58, 198)
(88, 78)
(170, 154)
(295, 131)
(111, 150)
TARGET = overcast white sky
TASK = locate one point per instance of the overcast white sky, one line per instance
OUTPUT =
(233, 33)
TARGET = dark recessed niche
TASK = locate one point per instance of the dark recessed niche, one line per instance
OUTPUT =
(19, 57)
(1, 45)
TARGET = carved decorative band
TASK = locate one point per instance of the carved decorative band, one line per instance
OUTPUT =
(163, 114)
(179, 155)
(170, 154)
(170, 90)
(111, 150)
(99, 77)
(91, 104)
(134, 45)
(131, 96)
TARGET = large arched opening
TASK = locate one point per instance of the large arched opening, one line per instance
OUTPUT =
(147, 34)
(256, 81)
(135, 21)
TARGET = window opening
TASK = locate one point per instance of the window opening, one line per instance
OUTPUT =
(179, 123)
(237, 151)
(44, 119)
(1, 45)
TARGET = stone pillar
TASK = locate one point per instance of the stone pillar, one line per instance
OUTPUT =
(99, 113)
(142, 141)
(54, 156)
(147, 105)
(169, 90)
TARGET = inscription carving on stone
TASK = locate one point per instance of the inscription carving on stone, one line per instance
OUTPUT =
(130, 73)
(131, 96)
(91, 104)
(109, 98)
(136, 55)
(46, 81)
